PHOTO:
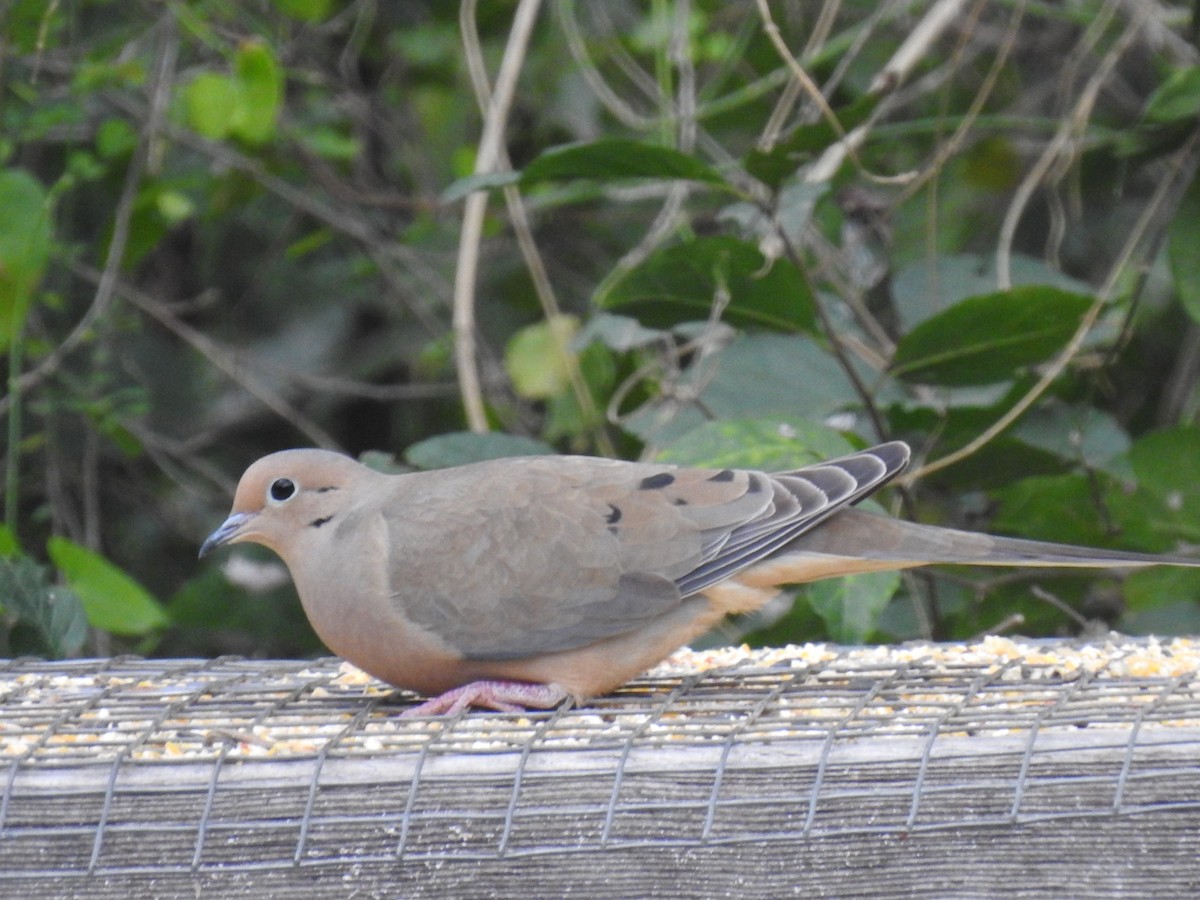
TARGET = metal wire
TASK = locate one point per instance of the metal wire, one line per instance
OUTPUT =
(133, 766)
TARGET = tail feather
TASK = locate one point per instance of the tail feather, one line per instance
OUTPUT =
(856, 534)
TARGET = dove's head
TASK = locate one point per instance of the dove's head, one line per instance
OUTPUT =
(283, 495)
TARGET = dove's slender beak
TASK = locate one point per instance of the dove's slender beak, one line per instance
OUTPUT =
(228, 532)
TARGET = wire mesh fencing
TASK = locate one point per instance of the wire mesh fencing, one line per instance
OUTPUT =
(177, 769)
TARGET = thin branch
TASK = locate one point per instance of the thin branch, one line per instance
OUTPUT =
(568, 22)
(1167, 185)
(1062, 147)
(217, 355)
(951, 145)
(160, 92)
(386, 253)
(475, 208)
(794, 87)
(1050, 156)
(914, 49)
(523, 229)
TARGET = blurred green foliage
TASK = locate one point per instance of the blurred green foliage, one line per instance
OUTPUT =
(231, 228)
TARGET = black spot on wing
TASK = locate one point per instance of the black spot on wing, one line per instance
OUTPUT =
(723, 475)
(614, 515)
(656, 482)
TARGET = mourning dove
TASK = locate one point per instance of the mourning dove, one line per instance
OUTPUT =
(516, 583)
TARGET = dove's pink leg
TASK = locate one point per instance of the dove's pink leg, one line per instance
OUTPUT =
(504, 696)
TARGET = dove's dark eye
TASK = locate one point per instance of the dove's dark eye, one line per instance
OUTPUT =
(281, 489)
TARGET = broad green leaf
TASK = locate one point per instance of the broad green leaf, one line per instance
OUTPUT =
(1179, 617)
(1164, 509)
(25, 240)
(49, 620)
(1183, 250)
(210, 102)
(851, 605)
(618, 159)
(773, 166)
(990, 337)
(957, 416)
(567, 418)
(536, 357)
(1168, 461)
(1177, 98)
(756, 376)
(681, 282)
(112, 600)
(934, 284)
(174, 206)
(208, 606)
(9, 546)
(115, 138)
(260, 93)
(790, 215)
(485, 181)
(1162, 586)
(63, 622)
(330, 143)
(461, 447)
(1080, 433)
(306, 10)
(1059, 508)
(771, 445)
(619, 333)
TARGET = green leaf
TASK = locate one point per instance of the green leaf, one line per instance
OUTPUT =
(680, 283)
(990, 337)
(935, 283)
(174, 206)
(537, 357)
(789, 216)
(851, 605)
(207, 608)
(618, 159)
(305, 10)
(63, 622)
(754, 377)
(115, 138)
(1059, 508)
(1183, 250)
(1180, 617)
(1080, 433)
(566, 417)
(619, 333)
(461, 447)
(770, 445)
(9, 546)
(1164, 509)
(25, 241)
(484, 181)
(112, 600)
(50, 620)
(1177, 98)
(1161, 586)
(260, 93)
(210, 101)
(773, 166)
(330, 143)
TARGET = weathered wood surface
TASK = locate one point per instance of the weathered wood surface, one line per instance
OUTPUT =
(828, 779)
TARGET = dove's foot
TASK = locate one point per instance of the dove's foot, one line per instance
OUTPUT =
(504, 696)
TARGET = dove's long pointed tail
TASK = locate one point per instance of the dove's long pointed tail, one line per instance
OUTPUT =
(857, 541)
